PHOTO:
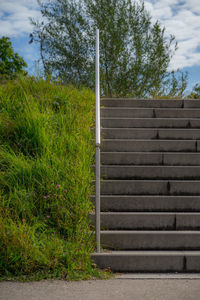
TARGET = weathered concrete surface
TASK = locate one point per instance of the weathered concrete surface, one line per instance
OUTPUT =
(121, 203)
(150, 240)
(149, 123)
(149, 145)
(148, 220)
(117, 102)
(151, 133)
(147, 112)
(150, 158)
(118, 289)
(150, 172)
(150, 187)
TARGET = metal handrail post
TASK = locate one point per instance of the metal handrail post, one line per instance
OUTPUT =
(98, 143)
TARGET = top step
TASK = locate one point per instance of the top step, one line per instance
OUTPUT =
(122, 102)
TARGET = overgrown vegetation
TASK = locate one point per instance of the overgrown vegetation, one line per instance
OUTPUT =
(195, 93)
(46, 152)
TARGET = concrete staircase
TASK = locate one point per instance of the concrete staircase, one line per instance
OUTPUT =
(150, 192)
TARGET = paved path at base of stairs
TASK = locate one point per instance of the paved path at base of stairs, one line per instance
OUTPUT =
(127, 287)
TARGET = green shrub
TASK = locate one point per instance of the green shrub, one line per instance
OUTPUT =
(46, 153)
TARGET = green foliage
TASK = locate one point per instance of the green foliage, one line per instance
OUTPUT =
(46, 153)
(195, 94)
(11, 64)
(134, 53)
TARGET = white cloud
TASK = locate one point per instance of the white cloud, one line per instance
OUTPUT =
(192, 5)
(14, 16)
(182, 19)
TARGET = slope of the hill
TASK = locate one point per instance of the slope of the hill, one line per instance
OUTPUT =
(46, 151)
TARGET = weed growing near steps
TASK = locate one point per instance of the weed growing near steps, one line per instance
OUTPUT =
(46, 153)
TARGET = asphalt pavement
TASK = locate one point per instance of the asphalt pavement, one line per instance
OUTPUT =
(157, 287)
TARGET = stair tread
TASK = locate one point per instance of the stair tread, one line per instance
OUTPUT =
(150, 153)
(149, 180)
(151, 213)
(150, 172)
(129, 118)
(149, 140)
(165, 103)
(149, 196)
(155, 232)
(153, 108)
(167, 261)
(151, 122)
(148, 252)
(150, 129)
(151, 167)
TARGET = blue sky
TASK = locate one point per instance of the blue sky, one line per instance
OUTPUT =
(180, 17)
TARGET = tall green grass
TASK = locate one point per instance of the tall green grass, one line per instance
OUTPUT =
(46, 153)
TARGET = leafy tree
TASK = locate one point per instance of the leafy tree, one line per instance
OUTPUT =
(134, 53)
(11, 63)
(195, 94)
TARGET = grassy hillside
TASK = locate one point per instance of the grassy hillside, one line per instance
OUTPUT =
(46, 151)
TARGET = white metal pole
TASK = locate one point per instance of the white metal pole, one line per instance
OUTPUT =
(98, 143)
(97, 91)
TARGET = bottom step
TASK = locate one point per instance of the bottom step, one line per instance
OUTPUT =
(149, 261)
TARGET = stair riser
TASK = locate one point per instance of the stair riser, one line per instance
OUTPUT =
(129, 112)
(150, 146)
(149, 113)
(125, 158)
(142, 187)
(149, 123)
(126, 133)
(150, 172)
(148, 221)
(163, 134)
(148, 263)
(121, 263)
(181, 159)
(119, 187)
(126, 240)
(177, 113)
(107, 102)
(168, 159)
(149, 203)
(141, 103)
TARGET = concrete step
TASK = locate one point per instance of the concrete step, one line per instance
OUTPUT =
(129, 112)
(121, 102)
(161, 103)
(150, 158)
(124, 203)
(122, 112)
(149, 261)
(150, 187)
(191, 104)
(150, 240)
(177, 113)
(130, 145)
(129, 133)
(192, 159)
(132, 158)
(150, 172)
(149, 123)
(148, 221)
(153, 133)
